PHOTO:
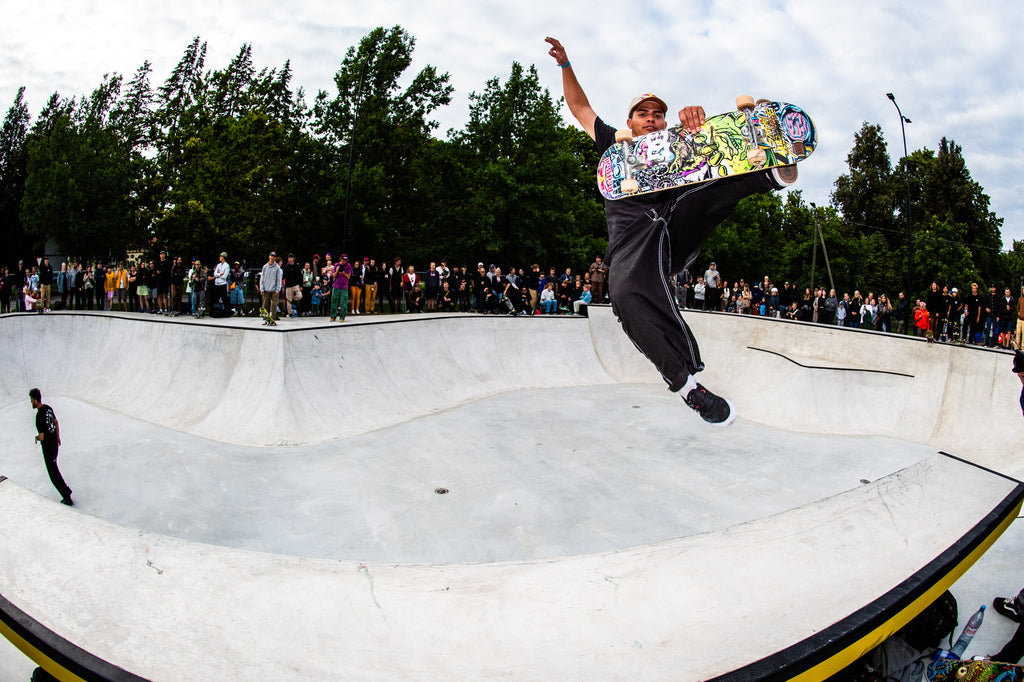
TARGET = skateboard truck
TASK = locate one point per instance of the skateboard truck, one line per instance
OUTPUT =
(629, 185)
(755, 157)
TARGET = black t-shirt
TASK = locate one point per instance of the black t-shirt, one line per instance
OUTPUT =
(371, 276)
(45, 274)
(622, 209)
(46, 424)
(141, 278)
(973, 306)
(292, 275)
(952, 312)
(480, 283)
(163, 271)
(1009, 309)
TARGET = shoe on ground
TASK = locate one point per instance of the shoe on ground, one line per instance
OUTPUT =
(68, 501)
(711, 408)
(1008, 608)
(784, 176)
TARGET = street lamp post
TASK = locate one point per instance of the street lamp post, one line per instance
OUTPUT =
(906, 168)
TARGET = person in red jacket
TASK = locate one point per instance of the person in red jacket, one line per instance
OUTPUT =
(922, 320)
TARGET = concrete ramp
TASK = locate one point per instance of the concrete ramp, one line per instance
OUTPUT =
(479, 497)
(257, 386)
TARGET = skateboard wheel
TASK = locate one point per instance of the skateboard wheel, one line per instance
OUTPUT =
(757, 157)
(629, 186)
(744, 102)
(624, 135)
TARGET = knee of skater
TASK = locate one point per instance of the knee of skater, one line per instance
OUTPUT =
(630, 297)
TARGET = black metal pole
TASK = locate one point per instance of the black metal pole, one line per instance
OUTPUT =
(906, 169)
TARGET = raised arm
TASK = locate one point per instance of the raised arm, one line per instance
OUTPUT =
(575, 98)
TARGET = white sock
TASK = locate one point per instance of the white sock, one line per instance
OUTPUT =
(691, 383)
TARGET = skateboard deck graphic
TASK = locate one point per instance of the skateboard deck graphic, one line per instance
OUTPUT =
(761, 135)
(973, 671)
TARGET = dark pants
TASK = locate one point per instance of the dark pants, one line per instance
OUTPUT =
(395, 298)
(643, 255)
(1013, 650)
(50, 457)
(219, 292)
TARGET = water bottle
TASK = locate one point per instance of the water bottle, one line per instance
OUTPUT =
(968, 633)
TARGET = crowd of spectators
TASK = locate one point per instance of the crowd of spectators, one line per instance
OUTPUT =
(942, 314)
(168, 285)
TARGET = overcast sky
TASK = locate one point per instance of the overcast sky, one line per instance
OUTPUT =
(953, 66)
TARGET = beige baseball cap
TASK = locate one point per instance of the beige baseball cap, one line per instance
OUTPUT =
(643, 98)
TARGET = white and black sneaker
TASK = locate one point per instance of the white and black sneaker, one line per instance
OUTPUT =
(712, 408)
(1007, 607)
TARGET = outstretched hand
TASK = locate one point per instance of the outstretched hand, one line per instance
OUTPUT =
(557, 51)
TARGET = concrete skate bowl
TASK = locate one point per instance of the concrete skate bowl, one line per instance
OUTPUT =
(478, 497)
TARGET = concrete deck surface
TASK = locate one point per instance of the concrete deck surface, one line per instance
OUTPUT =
(553, 439)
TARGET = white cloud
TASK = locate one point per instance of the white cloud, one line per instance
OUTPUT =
(951, 65)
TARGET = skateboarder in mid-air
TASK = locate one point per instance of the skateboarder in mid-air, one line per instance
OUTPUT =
(654, 236)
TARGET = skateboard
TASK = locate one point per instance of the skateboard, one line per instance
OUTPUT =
(758, 135)
(973, 671)
(268, 319)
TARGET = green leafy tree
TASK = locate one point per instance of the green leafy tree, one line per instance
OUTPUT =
(754, 241)
(13, 173)
(226, 143)
(942, 254)
(952, 198)
(865, 196)
(178, 117)
(531, 190)
(82, 187)
(378, 128)
(1013, 266)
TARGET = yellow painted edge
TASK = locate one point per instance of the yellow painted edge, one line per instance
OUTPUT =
(841, 660)
(37, 656)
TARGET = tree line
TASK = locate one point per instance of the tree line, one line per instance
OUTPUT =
(236, 159)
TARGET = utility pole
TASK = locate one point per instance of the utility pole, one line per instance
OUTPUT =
(906, 166)
(818, 234)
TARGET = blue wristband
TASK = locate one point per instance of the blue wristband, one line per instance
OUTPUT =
(562, 66)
